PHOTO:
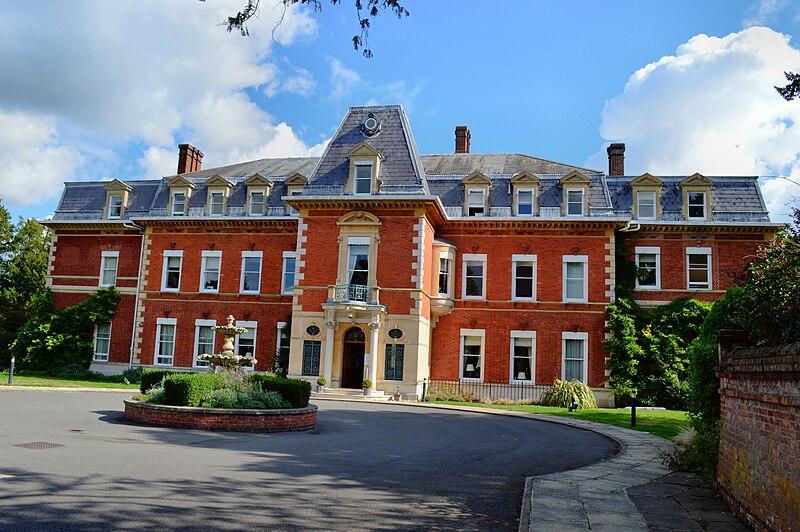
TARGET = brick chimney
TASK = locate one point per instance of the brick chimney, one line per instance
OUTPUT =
(463, 137)
(190, 159)
(616, 158)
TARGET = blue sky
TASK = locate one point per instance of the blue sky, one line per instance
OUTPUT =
(103, 90)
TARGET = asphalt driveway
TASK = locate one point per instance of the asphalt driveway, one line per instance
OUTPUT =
(368, 466)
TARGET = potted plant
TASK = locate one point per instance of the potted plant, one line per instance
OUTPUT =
(367, 385)
(321, 382)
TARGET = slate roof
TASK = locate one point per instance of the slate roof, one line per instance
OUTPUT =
(404, 171)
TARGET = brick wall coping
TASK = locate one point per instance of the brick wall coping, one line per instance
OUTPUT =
(224, 419)
(768, 362)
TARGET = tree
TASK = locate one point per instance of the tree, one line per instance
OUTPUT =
(372, 8)
(792, 90)
(24, 250)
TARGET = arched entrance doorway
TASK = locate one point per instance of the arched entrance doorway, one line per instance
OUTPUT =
(353, 358)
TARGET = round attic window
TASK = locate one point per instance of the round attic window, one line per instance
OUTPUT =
(312, 330)
(371, 125)
(395, 334)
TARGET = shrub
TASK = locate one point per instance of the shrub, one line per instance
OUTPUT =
(154, 395)
(151, 377)
(321, 381)
(563, 393)
(248, 397)
(187, 389)
(134, 375)
(366, 383)
(446, 393)
(297, 392)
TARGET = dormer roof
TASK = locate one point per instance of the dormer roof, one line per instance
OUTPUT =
(180, 181)
(646, 180)
(697, 180)
(525, 178)
(217, 181)
(116, 185)
(575, 177)
(476, 178)
(257, 180)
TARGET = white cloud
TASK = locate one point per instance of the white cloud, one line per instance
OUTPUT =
(710, 108)
(116, 74)
(300, 82)
(33, 159)
(762, 12)
(343, 79)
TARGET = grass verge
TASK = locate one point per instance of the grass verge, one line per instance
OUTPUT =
(31, 378)
(664, 423)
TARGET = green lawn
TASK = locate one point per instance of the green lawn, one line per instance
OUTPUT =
(664, 423)
(31, 378)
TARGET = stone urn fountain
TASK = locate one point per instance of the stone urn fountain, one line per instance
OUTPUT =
(228, 361)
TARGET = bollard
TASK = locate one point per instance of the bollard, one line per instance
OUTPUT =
(424, 388)
(11, 372)
(633, 410)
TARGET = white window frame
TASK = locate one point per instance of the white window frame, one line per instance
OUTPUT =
(157, 347)
(522, 334)
(639, 197)
(103, 257)
(689, 205)
(206, 255)
(164, 271)
(514, 260)
(356, 179)
(699, 251)
(250, 202)
(99, 356)
(112, 205)
(197, 324)
(463, 334)
(649, 251)
(469, 257)
(582, 193)
(211, 203)
(251, 255)
(533, 200)
(181, 212)
(575, 336)
(448, 257)
(476, 192)
(290, 289)
(251, 326)
(572, 259)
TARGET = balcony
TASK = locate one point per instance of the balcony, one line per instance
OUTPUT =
(353, 293)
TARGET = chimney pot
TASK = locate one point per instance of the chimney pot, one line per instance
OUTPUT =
(616, 159)
(463, 137)
(190, 159)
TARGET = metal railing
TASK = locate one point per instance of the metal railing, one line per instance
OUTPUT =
(477, 391)
(351, 292)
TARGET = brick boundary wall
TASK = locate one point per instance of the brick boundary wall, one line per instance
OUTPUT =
(758, 470)
(223, 419)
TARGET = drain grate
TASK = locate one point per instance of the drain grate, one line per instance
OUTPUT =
(38, 445)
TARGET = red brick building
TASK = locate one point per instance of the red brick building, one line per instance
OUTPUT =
(391, 265)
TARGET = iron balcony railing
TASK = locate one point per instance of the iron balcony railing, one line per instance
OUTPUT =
(359, 293)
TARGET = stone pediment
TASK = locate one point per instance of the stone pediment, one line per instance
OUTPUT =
(257, 180)
(217, 181)
(115, 185)
(697, 180)
(179, 181)
(296, 179)
(525, 178)
(364, 149)
(646, 180)
(576, 178)
(476, 178)
(359, 218)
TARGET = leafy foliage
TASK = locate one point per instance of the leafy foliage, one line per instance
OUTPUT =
(246, 396)
(54, 338)
(372, 8)
(446, 393)
(792, 90)
(187, 389)
(563, 393)
(153, 377)
(648, 350)
(24, 249)
(296, 391)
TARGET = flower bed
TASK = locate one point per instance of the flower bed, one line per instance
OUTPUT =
(224, 419)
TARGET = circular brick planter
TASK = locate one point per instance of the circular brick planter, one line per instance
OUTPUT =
(231, 419)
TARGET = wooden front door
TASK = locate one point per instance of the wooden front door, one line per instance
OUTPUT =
(353, 358)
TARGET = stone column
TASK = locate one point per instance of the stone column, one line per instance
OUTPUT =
(330, 326)
(374, 327)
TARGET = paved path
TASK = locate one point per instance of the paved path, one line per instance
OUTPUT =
(369, 466)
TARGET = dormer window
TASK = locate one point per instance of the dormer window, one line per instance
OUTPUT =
(646, 205)
(476, 205)
(575, 202)
(525, 202)
(217, 203)
(697, 205)
(294, 187)
(524, 187)
(363, 178)
(178, 203)
(476, 194)
(115, 206)
(256, 203)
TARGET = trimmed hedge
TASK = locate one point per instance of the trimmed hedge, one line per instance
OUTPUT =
(151, 377)
(187, 389)
(296, 391)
